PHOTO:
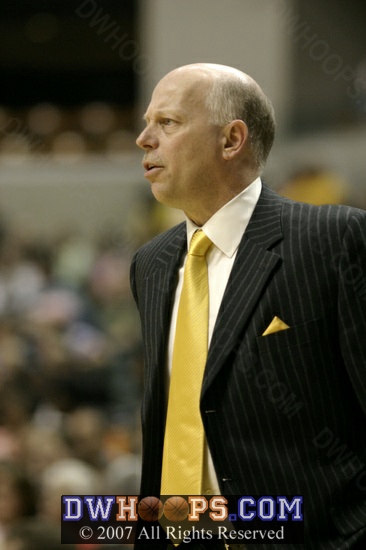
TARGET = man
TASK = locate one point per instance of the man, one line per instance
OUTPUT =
(283, 394)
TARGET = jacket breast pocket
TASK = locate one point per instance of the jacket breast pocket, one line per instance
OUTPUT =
(298, 363)
(298, 335)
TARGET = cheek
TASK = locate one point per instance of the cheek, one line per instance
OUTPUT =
(190, 159)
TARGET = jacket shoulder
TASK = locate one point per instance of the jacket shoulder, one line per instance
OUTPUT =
(156, 251)
(154, 247)
(318, 217)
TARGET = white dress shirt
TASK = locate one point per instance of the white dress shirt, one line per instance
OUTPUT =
(225, 229)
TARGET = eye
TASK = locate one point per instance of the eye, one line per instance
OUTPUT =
(167, 121)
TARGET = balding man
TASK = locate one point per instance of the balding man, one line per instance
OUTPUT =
(280, 393)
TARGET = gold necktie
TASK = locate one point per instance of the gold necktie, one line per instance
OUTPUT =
(184, 434)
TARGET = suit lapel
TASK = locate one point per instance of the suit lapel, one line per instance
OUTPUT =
(252, 268)
(159, 290)
(162, 280)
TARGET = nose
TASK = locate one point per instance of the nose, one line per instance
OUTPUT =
(146, 140)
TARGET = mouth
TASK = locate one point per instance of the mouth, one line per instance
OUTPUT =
(151, 168)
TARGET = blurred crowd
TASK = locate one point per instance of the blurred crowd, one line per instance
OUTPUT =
(47, 129)
(70, 380)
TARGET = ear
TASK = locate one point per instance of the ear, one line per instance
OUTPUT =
(235, 137)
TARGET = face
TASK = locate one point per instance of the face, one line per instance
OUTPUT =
(183, 150)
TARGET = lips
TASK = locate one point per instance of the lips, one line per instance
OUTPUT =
(148, 165)
(151, 167)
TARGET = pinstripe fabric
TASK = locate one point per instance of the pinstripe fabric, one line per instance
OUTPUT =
(283, 413)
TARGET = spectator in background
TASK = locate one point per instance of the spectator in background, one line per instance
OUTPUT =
(41, 447)
(17, 498)
(316, 185)
(84, 430)
(66, 477)
(35, 535)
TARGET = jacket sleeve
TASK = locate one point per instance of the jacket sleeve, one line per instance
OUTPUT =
(351, 264)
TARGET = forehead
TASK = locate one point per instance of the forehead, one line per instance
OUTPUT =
(181, 93)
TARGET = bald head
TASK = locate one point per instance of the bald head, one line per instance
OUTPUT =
(230, 94)
(209, 71)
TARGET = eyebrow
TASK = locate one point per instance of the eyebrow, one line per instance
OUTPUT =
(164, 114)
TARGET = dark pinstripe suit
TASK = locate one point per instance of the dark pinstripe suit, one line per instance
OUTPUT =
(283, 413)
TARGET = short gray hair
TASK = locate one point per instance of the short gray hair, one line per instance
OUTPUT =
(231, 98)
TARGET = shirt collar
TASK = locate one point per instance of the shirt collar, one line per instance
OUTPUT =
(226, 227)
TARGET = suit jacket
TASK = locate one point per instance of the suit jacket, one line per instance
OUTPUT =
(284, 414)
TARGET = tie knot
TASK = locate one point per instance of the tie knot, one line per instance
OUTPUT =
(200, 244)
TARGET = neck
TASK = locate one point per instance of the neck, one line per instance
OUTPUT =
(200, 212)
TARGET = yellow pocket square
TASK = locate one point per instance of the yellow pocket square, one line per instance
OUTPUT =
(275, 326)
